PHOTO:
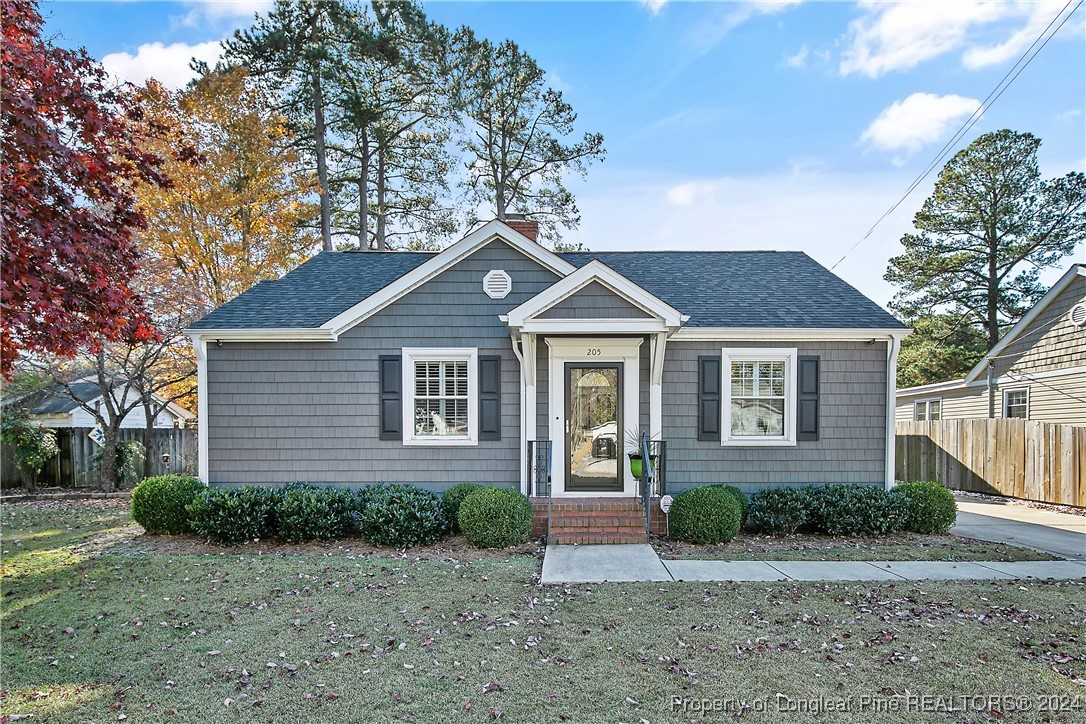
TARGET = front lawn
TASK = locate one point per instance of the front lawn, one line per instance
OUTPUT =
(807, 546)
(101, 624)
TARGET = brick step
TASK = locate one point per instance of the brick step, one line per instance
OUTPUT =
(622, 505)
(633, 530)
(597, 538)
(592, 523)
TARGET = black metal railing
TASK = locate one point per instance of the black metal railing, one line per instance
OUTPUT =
(653, 482)
(539, 468)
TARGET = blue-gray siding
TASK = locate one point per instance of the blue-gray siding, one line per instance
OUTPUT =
(308, 411)
(594, 301)
(852, 438)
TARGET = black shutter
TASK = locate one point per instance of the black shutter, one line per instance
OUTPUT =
(490, 387)
(807, 399)
(391, 408)
(709, 381)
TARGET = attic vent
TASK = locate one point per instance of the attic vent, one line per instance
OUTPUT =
(1078, 315)
(497, 284)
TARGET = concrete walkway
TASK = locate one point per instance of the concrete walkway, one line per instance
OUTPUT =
(1060, 534)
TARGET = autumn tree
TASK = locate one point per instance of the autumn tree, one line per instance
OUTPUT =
(236, 211)
(518, 141)
(70, 158)
(985, 234)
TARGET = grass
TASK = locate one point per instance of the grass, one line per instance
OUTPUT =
(113, 625)
(894, 547)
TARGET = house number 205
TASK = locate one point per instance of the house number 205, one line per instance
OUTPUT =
(594, 352)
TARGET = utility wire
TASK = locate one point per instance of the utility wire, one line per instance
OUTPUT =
(972, 120)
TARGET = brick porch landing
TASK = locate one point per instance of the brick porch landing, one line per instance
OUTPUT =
(594, 520)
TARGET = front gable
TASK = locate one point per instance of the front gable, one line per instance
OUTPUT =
(594, 301)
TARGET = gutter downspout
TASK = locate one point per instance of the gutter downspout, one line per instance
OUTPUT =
(991, 391)
(199, 346)
(523, 426)
(891, 404)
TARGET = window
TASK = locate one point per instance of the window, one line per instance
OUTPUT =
(761, 396)
(928, 409)
(1016, 403)
(440, 396)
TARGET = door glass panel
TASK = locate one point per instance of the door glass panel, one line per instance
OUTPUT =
(594, 428)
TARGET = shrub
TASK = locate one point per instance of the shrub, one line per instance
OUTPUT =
(451, 500)
(853, 510)
(400, 515)
(495, 518)
(778, 510)
(708, 514)
(158, 504)
(740, 499)
(305, 513)
(926, 507)
(233, 515)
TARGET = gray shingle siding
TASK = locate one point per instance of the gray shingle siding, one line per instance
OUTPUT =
(594, 301)
(851, 444)
(308, 411)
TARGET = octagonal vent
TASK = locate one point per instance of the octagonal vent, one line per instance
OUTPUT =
(1077, 315)
(497, 284)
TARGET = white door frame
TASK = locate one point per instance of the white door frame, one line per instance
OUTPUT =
(588, 350)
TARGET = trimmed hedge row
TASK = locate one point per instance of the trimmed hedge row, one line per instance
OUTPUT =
(708, 514)
(400, 516)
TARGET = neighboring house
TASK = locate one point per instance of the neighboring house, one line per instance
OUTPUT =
(1036, 372)
(55, 408)
(755, 368)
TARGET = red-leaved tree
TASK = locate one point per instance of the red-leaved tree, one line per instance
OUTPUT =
(69, 159)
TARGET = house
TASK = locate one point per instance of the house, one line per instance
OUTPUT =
(500, 362)
(1037, 371)
(55, 408)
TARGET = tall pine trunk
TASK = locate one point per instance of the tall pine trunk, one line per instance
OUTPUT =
(322, 160)
(381, 211)
(363, 195)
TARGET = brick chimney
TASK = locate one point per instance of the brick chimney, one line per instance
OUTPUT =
(519, 223)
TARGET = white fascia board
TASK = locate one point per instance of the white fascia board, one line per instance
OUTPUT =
(1016, 331)
(592, 326)
(784, 334)
(596, 271)
(263, 334)
(491, 231)
(933, 387)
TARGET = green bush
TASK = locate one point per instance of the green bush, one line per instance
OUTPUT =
(776, 511)
(305, 512)
(495, 518)
(926, 507)
(854, 510)
(709, 514)
(158, 504)
(400, 515)
(740, 499)
(228, 516)
(451, 500)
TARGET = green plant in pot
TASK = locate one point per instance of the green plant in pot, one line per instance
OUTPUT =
(633, 441)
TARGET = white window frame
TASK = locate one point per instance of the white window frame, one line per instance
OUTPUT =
(787, 355)
(926, 402)
(411, 355)
(1007, 392)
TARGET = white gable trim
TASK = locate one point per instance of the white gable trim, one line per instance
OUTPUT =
(664, 315)
(491, 231)
(1016, 331)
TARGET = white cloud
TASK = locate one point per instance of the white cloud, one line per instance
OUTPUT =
(654, 6)
(217, 11)
(1041, 13)
(714, 29)
(798, 59)
(899, 36)
(1068, 116)
(690, 193)
(168, 64)
(910, 124)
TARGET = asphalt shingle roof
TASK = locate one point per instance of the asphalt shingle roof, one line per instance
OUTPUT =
(717, 289)
(56, 402)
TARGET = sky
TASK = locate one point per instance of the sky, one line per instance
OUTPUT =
(790, 125)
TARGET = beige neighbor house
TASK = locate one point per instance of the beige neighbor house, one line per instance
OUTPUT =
(1036, 372)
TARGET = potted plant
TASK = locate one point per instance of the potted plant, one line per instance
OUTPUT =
(633, 440)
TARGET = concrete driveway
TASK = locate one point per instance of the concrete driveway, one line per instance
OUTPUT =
(1060, 534)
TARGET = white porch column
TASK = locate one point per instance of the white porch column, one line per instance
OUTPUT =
(656, 392)
(529, 431)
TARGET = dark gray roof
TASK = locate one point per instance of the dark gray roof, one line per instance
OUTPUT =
(716, 288)
(56, 402)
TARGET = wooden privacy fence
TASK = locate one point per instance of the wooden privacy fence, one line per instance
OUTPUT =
(73, 468)
(1017, 458)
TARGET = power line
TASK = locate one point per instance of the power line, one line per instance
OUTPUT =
(992, 97)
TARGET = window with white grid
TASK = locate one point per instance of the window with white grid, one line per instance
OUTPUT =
(439, 404)
(760, 390)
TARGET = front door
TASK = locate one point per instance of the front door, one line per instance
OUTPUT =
(594, 427)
